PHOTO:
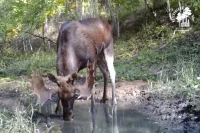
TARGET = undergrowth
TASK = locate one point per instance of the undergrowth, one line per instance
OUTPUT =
(173, 62)
(184, 82)
(17, 117)
(21, 63)
(18, 122)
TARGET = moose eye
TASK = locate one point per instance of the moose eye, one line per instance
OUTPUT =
(60, 85)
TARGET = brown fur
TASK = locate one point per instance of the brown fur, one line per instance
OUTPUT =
(78, 42)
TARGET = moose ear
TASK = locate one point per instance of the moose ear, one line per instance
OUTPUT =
(43, 93)
(52, 77)
(73, 78)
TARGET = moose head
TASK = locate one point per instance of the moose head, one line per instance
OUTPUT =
(67, 91)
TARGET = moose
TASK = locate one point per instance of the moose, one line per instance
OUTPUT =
(79, 42)
(86, 90)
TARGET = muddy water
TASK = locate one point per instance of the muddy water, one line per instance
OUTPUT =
(101, 119)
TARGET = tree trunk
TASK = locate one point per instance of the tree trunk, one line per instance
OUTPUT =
(24, 44)
(82, 10)
(43, 35)
(46, 33)
(150, 8)
(16, 45)
(29, 42)
(114, 18)
(169, 11)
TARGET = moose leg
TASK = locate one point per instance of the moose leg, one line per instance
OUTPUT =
(102, 66)
(58, 107)
(109, 57)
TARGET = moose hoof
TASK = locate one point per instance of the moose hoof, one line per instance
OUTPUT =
(58, 112)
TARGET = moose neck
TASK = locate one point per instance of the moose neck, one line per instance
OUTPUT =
(66, 61)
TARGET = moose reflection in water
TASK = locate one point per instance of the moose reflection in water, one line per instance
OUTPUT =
(102, 118)
(110, 118)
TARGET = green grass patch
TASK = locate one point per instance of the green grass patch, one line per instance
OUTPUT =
(18, 122)
(182, 82)
(20, 64)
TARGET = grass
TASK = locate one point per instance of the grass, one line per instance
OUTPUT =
(184, 83)
(19, 64)
(18, 122)
(18, 118)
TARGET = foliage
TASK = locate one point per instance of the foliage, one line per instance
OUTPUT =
(125, 7)
(18, 122)
(20, 64)
(20, 117)
(185, 83)
(20, 16)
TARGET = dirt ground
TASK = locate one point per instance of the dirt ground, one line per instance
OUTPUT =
(174, 115)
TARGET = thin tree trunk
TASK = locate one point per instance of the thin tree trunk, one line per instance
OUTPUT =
(77, 10)
(16, 45)
(180, 9)
(24, 44)
(118, 29)
(114, 18)
(82, 10)
(29, 42)
(169, 11)
(46, 31)
(91, 8)
(43, 36)
(150, 8)
(95, 8)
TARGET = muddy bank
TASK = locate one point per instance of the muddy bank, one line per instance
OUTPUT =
(13, 94)
(173, 115)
